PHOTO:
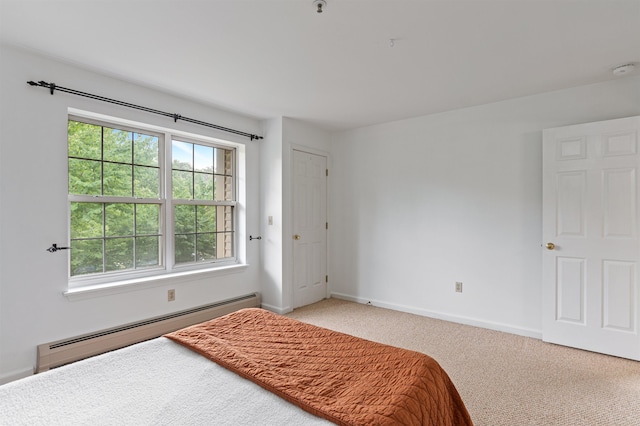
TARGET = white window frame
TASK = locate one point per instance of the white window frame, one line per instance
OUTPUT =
(167, 272)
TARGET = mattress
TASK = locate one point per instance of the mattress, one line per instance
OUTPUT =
(157, 382)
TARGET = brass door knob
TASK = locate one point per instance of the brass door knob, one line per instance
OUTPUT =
(550, 246)
(296, 237)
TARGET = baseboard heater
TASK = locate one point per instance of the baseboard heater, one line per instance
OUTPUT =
(61, 352)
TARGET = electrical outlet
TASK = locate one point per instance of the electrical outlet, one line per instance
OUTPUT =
(458, 287)
(171, 295)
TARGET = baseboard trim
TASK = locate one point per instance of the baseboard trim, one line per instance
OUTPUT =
(506, 328)
(276, 309)
(16, 375)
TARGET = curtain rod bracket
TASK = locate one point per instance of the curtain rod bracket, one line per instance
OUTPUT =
(176, 117)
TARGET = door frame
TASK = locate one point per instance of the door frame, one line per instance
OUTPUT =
(287, 228)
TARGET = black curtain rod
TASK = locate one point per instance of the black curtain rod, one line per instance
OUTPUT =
(53, 87)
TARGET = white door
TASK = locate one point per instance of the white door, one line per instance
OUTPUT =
(309, 228)
(590, 231)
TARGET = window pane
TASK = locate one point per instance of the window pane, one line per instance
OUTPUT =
(223, 188)
(85, 140)
(224, 218)
(182, 185)
(224, 245)
(119, 254)
(182, 155)
(206, 219)
(145, 149)
(147, 219)
(117, 145)
(147, 251)
(147, 182)
(117, 180)
(86, 257)
(185, 219)
(86, 221)
(118, 220)
(203, 158)
(222, 160)
(84, 177)
(203, 186)
(206, 246)
(185, 248)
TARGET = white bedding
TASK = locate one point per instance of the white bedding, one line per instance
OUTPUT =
(158, 382)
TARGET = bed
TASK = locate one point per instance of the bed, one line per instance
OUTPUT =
(268, 370)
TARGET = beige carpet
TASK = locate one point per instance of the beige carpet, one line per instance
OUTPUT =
(503, 379)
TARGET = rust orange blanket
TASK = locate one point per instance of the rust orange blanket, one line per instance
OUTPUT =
(342, 378)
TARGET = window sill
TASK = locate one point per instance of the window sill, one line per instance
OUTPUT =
(106, 289)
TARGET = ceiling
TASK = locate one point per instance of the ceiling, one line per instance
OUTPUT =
(339, 69)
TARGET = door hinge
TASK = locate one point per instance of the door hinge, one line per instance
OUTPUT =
(326, 225)
(326, 172)
(326, 278)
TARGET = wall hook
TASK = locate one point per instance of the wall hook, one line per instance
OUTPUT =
(54, 248)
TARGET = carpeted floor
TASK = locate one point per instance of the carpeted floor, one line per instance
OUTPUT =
(503, 379)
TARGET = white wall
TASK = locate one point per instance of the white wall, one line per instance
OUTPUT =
(33, 197)
(271, 205)
(422, 203)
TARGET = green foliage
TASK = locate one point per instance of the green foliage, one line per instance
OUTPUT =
(112, 162)
(119, 254)
(182, 183)
(206, 246)
(117, 180)
(195, 232)
(85, 177)
(120, 163)
(206, 219)
(85, 140)
(117, 146)
(203, 186)
(147, 219)
(86, 257)
(146, 183)
(86, 220)
(118, 220)
(147, 251)
(200, 172)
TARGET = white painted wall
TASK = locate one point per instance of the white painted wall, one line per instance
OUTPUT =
(419, 204)
(33, 194)
(271, 205)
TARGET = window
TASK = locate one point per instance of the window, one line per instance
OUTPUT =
(203, 201)
(129, 190)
